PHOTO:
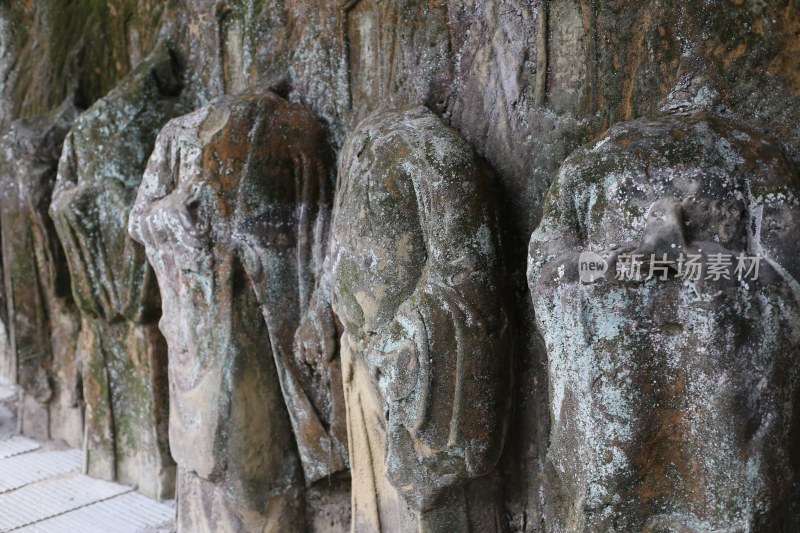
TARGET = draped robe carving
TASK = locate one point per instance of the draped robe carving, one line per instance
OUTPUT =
(673, 400)
(419, 288)
(234, 213)
(40, 317)
(123, 354)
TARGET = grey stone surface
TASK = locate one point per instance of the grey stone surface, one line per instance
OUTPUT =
(673, 401)
(525, 82)
(234, 212)
(419, 289)
(40, 320)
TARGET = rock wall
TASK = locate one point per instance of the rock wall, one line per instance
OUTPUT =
(549, 110)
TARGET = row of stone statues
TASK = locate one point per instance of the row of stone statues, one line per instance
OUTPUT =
(234, 211)
(318, 320)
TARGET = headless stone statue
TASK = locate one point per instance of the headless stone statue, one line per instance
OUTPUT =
(673, 395)
(282, 228)
(42, 321)
(234, 212)
(123, 353)
(418, 286)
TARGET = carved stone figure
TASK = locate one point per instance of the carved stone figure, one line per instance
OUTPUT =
(282, 232)
(674, 392)
(419, 289)
(40, 318)
(234, 212)
(122, 351)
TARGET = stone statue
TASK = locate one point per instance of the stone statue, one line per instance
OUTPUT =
(123, 354)
(41, 319)
(234, 213)
(419, 288)
(282, 231)
(673, 364)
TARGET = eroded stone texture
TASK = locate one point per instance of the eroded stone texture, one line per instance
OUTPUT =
(234, 212)
(123, 353)
(524, 81)
(419, 288)
(674, 405)
(294, 47)
(398, 53)
(58, 48)
(282, 229)
(40, 317)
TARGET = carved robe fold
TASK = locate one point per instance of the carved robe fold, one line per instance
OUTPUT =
(419, 288)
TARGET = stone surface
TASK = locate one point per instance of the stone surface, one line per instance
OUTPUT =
(234, 212)
(419, 288)
(60, 48)
(40, 318)
(281, 227)
(525, 82)
(673, 402)
(123, 354)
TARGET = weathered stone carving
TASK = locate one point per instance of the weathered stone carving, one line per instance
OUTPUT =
(41, 319)
(674, 403)
(282, 231)
(123, 353)
(234, 213)
(418, 286)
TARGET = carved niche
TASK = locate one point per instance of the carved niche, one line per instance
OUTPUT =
(398, 53)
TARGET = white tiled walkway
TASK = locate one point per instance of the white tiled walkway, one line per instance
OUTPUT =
(42, 489)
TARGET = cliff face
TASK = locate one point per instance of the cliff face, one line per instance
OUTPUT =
(523, 84)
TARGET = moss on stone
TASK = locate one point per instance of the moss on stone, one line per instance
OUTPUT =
(86, 47)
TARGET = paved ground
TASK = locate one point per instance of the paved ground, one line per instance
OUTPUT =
(43, 490)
